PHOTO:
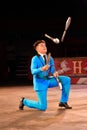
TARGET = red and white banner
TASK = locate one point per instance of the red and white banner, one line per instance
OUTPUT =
(75, 67)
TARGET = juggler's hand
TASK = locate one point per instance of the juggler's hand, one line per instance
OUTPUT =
(45, 67)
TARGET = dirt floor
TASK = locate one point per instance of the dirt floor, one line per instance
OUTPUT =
(11, 118)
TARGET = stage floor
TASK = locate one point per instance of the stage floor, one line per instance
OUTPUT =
(11, 118)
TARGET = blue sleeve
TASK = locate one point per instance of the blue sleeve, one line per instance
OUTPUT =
(34, 66)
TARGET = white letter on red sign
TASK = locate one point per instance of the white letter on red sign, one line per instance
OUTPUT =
(77, 66)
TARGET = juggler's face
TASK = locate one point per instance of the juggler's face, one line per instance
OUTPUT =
(41, 48)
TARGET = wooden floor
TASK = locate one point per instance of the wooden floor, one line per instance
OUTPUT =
(53, 118)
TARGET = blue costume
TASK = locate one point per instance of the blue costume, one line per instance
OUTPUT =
(42, 81)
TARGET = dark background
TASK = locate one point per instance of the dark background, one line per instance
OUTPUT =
(21, 24)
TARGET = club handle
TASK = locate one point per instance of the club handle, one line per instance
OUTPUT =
(63, 36)
(48, 58)
(46, 35)
(60, 85)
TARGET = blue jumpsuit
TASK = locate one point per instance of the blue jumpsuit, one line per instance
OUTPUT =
(42, 81)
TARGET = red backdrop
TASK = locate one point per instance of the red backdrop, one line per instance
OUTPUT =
(75, 67)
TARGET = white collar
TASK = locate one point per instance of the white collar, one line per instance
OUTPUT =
(41, 54)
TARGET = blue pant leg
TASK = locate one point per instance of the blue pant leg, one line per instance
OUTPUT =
(52, 82)
(41, 104)
(66, 83)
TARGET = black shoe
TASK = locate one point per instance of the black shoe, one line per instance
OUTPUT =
(21, 105)
(62, 104)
